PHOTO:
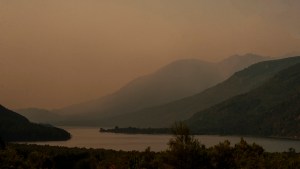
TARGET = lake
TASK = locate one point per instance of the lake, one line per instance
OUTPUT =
(92, 138)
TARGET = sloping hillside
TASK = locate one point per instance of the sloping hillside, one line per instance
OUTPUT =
(272, 109)
(177, 80)
(14, 127)
(241, 82)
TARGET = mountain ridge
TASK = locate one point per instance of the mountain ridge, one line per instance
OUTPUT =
(271, 109)
(241, 82)
(172, 82)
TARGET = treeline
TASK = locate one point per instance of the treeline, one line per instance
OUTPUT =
(184, 152)
(134, 130)
(241, 155)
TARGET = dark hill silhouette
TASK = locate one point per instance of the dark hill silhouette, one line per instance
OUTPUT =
(272, 109)
(177, 80)
(241, 82)
(14, 127)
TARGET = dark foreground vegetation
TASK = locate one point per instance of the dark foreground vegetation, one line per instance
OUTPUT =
(184, 152)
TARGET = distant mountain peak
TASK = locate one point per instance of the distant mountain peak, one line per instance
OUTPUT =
(176, 80)
(239, 83)
(178, 65)
(245, 57)
(236, 63)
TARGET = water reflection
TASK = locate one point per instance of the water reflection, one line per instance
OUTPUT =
(92, 138)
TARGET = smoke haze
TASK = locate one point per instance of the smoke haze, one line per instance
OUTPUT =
(55, 53)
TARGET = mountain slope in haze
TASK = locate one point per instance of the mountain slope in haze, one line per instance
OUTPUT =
(37, 115)
(236, 63)
(241, 82)
(159, 87)
(177, 80)
(14, 127)
(272, 109)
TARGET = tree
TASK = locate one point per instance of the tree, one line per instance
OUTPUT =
(248, 156)
(186, 152)
(222, 156)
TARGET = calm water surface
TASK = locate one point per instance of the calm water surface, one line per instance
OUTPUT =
(92, 138)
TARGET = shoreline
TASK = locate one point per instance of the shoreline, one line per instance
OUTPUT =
(155, 131)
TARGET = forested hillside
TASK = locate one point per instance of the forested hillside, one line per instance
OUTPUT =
(14, 127)
(239, 83)
(272, 109)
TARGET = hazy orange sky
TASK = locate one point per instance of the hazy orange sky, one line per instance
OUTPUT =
(54, 53)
